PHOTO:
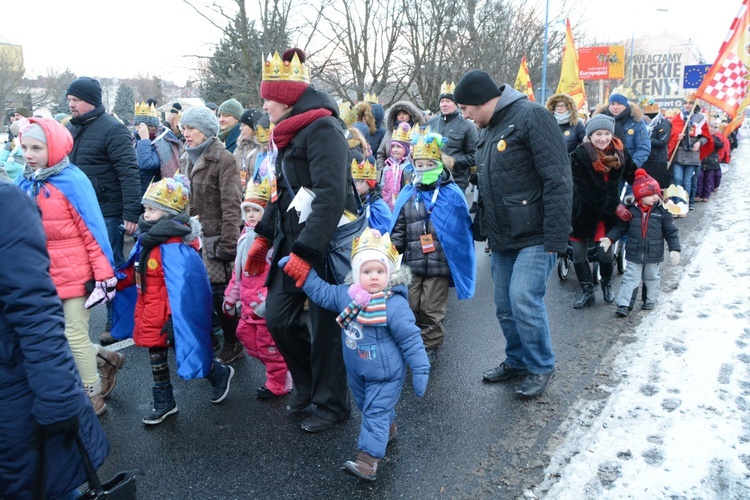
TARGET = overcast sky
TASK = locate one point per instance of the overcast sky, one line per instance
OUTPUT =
(162, 37)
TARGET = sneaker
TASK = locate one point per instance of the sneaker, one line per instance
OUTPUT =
(622, 311)
(230, 353)
(164, 406)
(106, 338)
(94, 392)
(648, 305)
(221, 389)
(108, 362)
(264, 392)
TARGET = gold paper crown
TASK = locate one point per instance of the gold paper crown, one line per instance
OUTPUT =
(364, 170)
(263, 135)
(380, 243)
(260, 191)
(167, 193)
(371, 98)
(347, 113)
(447, 88)
(402, 133)
(274, 69)
(144, 109)
(427, 147)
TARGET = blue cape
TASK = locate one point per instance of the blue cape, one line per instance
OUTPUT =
(379, 216)
(452, 223)
(77, 188)
(189, 295)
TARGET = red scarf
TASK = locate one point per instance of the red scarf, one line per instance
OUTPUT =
(283, 133)
(611, 158)
(644, 219)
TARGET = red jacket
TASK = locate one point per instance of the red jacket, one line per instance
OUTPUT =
(152, 307)
(75, 256)
(698, 130)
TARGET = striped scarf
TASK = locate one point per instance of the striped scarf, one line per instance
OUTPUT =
(371, 314)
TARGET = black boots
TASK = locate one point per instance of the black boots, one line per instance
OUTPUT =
(606, 269)
(583, 272)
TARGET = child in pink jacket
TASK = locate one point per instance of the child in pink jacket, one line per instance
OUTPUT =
(246, 295)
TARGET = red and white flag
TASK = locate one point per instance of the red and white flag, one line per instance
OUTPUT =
(726, 83)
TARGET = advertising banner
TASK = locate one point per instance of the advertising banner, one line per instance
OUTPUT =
(601, 63)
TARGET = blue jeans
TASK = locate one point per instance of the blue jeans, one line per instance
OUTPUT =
(116, 238)
(520, 279)
(682, 175)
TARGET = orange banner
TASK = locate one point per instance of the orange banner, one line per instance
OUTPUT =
(601, 63)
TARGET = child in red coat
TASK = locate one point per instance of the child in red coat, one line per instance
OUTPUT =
(173, 305)
(246, 295)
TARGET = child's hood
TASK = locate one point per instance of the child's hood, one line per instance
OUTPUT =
(59, 140)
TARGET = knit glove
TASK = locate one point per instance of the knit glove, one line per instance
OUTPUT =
(297, 268)
(674, 257)
(419, 381)
(229, 308)
(104, 291)
(69, 428)
(256, 256)
(623, 213)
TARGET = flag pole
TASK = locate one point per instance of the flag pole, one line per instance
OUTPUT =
(544, 56)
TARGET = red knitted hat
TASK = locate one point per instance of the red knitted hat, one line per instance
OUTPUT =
(284, 91)
(644, 185)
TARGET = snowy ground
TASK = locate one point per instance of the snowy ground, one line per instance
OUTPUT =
(676, 423)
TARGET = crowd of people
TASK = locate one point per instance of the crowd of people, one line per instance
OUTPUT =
(240, 218)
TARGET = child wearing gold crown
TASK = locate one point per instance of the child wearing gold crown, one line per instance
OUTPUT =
(398, 169)
(246, 296)
(157, 149)
(157, 312)
(380, 340)
(80, 254)
(378, 213)
(432, 227)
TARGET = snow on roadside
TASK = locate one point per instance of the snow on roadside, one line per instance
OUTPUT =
(677, 421)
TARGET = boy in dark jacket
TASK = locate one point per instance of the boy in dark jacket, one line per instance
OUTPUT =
(650, 226)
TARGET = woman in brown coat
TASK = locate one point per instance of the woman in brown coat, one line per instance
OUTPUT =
(215, 197)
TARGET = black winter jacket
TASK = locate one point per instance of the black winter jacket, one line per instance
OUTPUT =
(103, 149)
(648, 249)
(461, 143)
(596, 199)
(316, 158)
(524, 176)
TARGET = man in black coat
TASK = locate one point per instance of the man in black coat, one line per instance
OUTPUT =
(461, 135)
(102, 148)
(525, 208)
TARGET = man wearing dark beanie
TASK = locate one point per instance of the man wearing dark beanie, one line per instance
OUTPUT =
(103, 149)
(461, 135)
(524, 211)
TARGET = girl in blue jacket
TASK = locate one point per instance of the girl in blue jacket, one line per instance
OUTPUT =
(380, 339)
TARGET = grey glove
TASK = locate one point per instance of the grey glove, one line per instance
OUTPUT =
(674, 257)
(605, 243)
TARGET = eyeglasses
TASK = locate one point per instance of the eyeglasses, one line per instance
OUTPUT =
(561, 105)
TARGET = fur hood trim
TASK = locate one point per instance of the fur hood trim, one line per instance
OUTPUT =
(409, 107)
(567, 100)
(635, 111)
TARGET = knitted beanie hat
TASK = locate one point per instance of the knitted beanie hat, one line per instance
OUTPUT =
(201, 118)
(87, 89)
(618, 98)
(371, 255)
(475, 88)
(600, 122)
(250, 117)
(232, 107)
(23, 112)
(285, 91)
(644, 185)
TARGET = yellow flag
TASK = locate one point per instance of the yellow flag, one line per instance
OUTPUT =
(569, 82)
(523, 82)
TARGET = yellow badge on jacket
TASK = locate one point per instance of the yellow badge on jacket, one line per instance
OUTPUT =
(631, 131)
(152, 264)
(501, 146)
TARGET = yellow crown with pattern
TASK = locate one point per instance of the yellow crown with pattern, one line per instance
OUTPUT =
(144, 109)
(372, 98)
(375, 241)
(447, 88)
(168, 194)
(402, 133)
(427, 146)
(347, 113)
(260, 191)
(277, 70)
(364, 170)
(263, 135)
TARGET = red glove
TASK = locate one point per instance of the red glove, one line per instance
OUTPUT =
(256, 257)
(623, 213)
(297, 269)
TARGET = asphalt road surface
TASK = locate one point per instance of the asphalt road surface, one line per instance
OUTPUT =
(465, 439)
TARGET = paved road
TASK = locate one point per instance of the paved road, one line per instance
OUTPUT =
(465, 439)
